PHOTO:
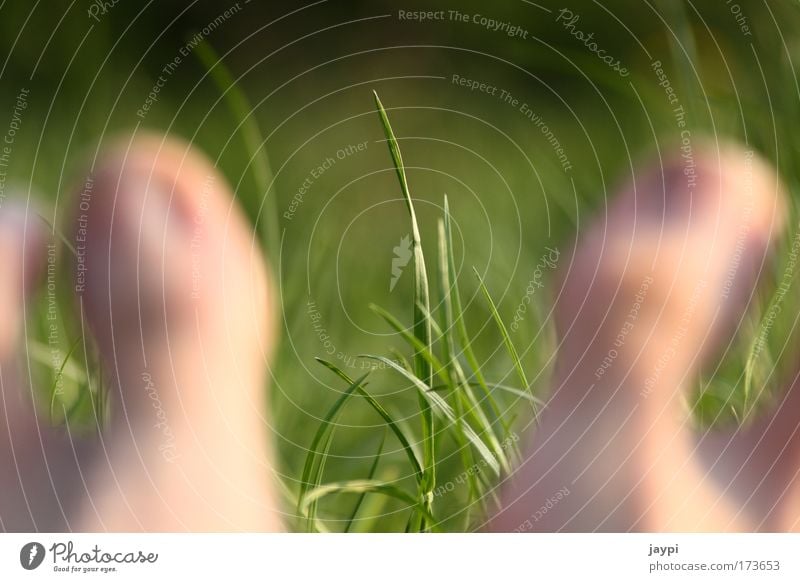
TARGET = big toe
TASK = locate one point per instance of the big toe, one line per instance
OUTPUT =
(676, 260)
(175, 289)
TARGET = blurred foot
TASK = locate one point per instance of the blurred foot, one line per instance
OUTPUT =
(177, 296)
(650, 294)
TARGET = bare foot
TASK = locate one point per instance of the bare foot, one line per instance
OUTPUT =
(650, 295)
(176, 293)
(177, 296)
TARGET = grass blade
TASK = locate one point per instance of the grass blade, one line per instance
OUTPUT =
(366, 486)
(439, 404)
(370, 477)
(461, 326)
(683, 50)
(311, 469)
(241, 110)
(414, 342)
(453, 376)
(465, 399)
(57, 378)
(512, 351)
(316, 477)
(392, 424)
(422, 323)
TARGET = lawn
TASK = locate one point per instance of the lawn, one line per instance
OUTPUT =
(525, 117)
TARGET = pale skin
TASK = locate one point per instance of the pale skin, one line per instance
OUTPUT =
(178, 296)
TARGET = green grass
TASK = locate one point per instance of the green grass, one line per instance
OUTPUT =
(395, 447)
(448, 410)
(63, 359)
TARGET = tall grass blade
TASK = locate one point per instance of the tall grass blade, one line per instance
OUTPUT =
(242, 111)
(461, 326)
(465, 399)
(454, 377)
(683, 49)
(422, 323)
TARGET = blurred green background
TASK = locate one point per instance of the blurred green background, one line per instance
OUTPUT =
(309, 70)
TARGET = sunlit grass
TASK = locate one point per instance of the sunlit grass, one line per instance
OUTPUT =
(464, 413)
